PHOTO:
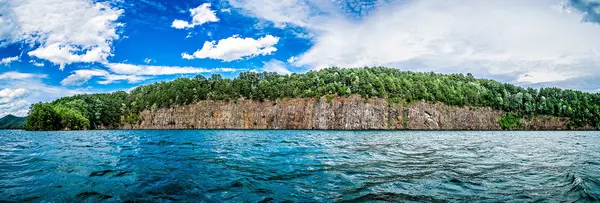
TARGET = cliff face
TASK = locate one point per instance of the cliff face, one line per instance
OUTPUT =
(348, 113)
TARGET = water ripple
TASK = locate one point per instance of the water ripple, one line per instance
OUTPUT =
(299, 166)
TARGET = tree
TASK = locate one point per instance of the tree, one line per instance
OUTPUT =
(110, 110)
(43, 118)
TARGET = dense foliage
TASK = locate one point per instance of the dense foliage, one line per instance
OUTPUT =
(12, 122)
(510, 121)
(454, 89)
(78, 112)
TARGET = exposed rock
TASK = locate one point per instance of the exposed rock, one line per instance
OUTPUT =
(348, 113)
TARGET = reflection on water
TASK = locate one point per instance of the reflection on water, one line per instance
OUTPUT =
(301, 166)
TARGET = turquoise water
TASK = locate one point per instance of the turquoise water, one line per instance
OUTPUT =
(299, 166)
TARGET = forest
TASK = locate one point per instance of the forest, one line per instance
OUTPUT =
(12, 122)
(109, 110)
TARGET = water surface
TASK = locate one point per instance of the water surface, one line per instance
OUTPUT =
(299, 166)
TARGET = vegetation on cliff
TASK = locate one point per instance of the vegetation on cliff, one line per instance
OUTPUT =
(510, 121)
(106, 110)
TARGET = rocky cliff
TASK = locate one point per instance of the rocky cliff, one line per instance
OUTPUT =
(347, 113)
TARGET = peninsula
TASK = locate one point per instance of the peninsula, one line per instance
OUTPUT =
(332, 98)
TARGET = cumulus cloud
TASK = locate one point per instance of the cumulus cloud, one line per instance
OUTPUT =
(523, 42)
(17, 108)
(6, 61)
(62, 31)
(235, 48)
(200, 15)
(442, 33)
(276, 66)
(9, 95)
(11, 102)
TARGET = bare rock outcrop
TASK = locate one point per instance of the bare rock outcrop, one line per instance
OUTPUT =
(344, 113)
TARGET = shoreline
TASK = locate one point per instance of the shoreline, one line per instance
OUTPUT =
(382, 130)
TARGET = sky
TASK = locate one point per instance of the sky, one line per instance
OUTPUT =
(55, 48)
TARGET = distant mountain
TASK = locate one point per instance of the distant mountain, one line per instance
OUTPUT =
(12, 122)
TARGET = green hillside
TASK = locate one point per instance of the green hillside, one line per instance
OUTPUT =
(94, 110)
(12, 122)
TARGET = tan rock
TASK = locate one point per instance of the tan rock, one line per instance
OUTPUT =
(347, 113)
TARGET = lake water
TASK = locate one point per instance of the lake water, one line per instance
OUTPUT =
(299, 166)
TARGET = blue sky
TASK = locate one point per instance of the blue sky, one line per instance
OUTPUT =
(55, 48)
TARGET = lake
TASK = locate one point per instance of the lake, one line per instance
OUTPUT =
(299, 166)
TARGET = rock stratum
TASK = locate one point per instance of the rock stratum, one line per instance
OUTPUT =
(337, 113)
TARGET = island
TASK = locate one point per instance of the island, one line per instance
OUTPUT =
(369, 98)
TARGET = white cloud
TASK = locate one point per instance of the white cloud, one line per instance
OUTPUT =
(131, 69)
(11, 102)
(187, 56)
(282, 13)
(132, 73)
(292, 59)
(67, 31)
(235, 48)
(200, 15)
(276, 66)
(148, 60)
(35, 63)
(226, 10)
(16, 108)
(544, 76)
(516, 41)
(180, 24)
(129, 78)
(19, 76)
(6, 61)
(9, 26)
(226, 70)
(80, 77)
(35, 90)
(9, 95)
(443, 33)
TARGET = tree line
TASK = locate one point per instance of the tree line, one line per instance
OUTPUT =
(93, 111)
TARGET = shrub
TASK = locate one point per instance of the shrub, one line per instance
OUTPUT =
(510, 121)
